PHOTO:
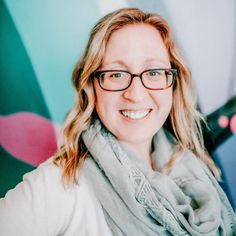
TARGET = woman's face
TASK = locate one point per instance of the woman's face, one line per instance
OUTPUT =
(135, 114)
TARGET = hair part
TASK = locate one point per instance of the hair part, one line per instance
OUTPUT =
(184, 118)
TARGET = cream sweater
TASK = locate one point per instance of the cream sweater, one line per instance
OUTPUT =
(40, 205)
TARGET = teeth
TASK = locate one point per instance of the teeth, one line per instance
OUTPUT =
(135, 115)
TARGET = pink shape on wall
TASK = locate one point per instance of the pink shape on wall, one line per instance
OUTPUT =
(223, 121)
(233, 124)
(28, 137)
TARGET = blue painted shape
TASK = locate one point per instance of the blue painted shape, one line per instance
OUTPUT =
(225, 157)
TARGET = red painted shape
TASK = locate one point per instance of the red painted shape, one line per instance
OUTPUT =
(223, 122)
(28, 137)
(233, 124)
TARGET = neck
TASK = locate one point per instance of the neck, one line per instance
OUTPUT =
(142, 150)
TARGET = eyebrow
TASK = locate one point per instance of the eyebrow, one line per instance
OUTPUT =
(150, 60)
(116, 62)
(146, 62)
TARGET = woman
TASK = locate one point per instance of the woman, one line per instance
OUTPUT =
(133, 161)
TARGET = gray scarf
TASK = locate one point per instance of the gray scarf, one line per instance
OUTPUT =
(140, 201)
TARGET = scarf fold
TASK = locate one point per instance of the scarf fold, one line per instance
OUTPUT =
(140, 201)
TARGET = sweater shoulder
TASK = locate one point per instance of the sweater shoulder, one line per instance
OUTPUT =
(48, 207)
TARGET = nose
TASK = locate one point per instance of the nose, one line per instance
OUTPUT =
(136, 92)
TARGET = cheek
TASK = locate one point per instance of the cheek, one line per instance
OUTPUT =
(163, 100)
(104, 105)
(169, 100)
(100, 102)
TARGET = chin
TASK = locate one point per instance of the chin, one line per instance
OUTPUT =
(134, 136)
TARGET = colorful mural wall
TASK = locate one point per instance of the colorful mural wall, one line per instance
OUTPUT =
(41, 42)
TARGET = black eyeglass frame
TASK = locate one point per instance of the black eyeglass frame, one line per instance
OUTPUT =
(96, 74)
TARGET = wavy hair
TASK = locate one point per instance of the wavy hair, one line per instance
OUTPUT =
(184, 120)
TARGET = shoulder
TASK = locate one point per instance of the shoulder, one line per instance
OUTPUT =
(190, 165)
(48, 207)
(46, 181)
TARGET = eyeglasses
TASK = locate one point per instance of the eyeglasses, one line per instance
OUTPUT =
(118, 80)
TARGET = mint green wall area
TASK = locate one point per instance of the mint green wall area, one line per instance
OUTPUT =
(54, 34)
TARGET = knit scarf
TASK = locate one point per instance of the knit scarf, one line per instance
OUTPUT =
(138, 200)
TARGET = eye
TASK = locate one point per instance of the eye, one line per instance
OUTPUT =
(117, 75)
(153, 73)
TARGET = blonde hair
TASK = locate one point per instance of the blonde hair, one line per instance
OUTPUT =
(184, 119)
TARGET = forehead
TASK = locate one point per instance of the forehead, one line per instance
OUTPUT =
(136, 43)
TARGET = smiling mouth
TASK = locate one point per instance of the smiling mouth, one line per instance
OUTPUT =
(135, 114)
